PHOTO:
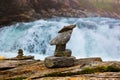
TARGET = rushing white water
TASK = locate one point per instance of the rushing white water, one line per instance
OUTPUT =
(93, 37)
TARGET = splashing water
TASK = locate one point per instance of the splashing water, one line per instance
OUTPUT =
(93, 37)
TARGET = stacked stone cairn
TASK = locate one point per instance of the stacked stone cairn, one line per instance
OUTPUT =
(21, 56)
(62, 56)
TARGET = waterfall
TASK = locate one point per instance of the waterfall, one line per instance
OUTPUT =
(93, 37)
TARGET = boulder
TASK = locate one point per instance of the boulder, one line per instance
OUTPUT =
(59, 62)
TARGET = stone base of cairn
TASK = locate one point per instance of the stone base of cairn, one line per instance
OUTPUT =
(59, 62)
(60, 59)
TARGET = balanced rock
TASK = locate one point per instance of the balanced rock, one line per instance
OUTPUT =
(59, 62)
(63, 36)
(61, 40)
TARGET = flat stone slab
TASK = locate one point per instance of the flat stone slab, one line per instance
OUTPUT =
(22, 58)
(4, 65)
(59, 62)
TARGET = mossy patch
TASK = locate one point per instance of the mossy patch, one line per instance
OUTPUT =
(113, 69)
(85, 71)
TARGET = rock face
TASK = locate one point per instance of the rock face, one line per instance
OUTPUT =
(12, 11)
(15, 11)
(27, 10)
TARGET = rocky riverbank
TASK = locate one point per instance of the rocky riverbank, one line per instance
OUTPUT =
(86, 69)
(29, 10)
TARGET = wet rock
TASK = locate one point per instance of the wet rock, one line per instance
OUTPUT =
(56, 62)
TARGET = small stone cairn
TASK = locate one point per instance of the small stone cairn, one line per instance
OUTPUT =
(21, 56)
(62, 56)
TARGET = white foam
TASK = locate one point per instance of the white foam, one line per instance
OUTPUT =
(93, 37)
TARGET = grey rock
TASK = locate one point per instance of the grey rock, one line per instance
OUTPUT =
(58, 62)
(64, 35)
(66, 53)
(62, 38)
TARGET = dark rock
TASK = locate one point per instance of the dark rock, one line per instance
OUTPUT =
(28, 10)
(67, 28)
(12, 11)
(56, 62)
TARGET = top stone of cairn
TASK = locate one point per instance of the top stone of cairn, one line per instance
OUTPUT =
(63, 36)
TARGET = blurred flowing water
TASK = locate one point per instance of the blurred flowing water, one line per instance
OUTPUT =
(93, 37)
